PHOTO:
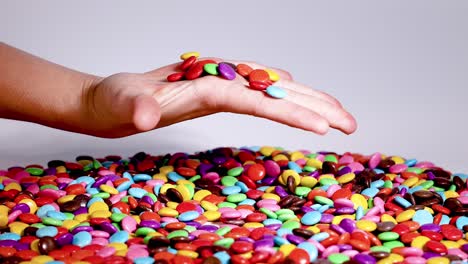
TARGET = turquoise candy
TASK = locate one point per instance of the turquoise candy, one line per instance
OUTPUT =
(47, 231)
(402, 201)
(189, 216)
(10, 236)
(461, 222)
(43, 210)
(276, 92)
(119, 237)
(141, 177)
(311, 218)
(320, 236)
(223, 257)
(137, 192)
(143, 260)
(311, 249)
(423, 217)
(231, 190)
(82, 239)
(57, 215)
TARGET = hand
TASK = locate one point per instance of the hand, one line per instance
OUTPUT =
(126, 103)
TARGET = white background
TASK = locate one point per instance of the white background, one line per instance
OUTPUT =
(400, 67)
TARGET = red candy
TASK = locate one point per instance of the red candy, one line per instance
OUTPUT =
(259, 75)
(174, 77)
(186, 64)
(256, 172)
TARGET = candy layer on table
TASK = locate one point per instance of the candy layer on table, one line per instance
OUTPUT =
(229, 205)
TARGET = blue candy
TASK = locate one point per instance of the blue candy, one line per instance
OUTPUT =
(311, 249)
(143, 260)
(57, 215)
(276, 92)
(311, 218)
(423, 217)
(320, 236)
(141, 177)
(47, 231)
(461, 222)
(42, 211)
(119, 237)
(137, 192)
(188, 216)
(10, 236)
(82, 239)
(231, 190)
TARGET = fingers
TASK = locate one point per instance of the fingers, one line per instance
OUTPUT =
(336, 116)
(238, 99)
(146, 113)
(309, 91)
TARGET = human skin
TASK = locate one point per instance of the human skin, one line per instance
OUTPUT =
(39, 91)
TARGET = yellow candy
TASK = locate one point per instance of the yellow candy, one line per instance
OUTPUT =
(385, 261)
(189, 54)
(326, 176)
(429, 210)
(388, 218)
(420, 241)
(314, 229)
(398, 160)
(167, 211)
(280, 157)
(184, 182)
(405, 215)
(395, 257)
(359, 200)
(421, 181)
(209, 206)
(286, 249)
(160, 176)
(61, 169)
(391, 176)
(101, 214)
(450, 244)
(411, 181)
(118, 246)
(184, 191)
(166, 169)
(285, 175)
(308, 181)
(249, 162)
(366, 225)
(121, 253)
(108, 189)
(31, 204)
(98, 206)
(315, 163)
(172, 205)
(137, 218)
(212, 215)
(438, 260)
(41, 259)
(346, 178)
(12, 186)
(451, 194)
(3, 219)
(81, 217)
(200, 195)
(271, 196)
(65, 198)
(35, 245)
(17, 227)
(267, 150)
(274, 77)
(69, 223)
(270, 189)
(187, 253)
(166, 187)
(253, 225)
(296, 155)
(337, 219)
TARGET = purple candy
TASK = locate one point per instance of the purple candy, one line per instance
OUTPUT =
(294, 239)
(50, 171)
(65, 239)
(326, 218)
(108, 227)
(62, 185)
(348, 225)
(344, 170)
(430, 175)
(430, 227)
(246, 239)
(101, 180)
(22, 207)
(268, 180)
(82, 228)
(22, 246)
(193, 223)
(191, 237)
(344, 247)
(314, 174)
(364, 259)
(226, 71)
(204, 168)
(147, 199)
(345, 210)
(8, 243)
(209, 228)
(279, 190)
(81, 210)
(337, 229)
(150, 223)
(306, 209)
(403, 191)
(264, 243)
(464, 248)
(219, 160)
(273, 226)
(428, 255)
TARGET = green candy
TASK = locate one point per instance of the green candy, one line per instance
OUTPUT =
(227, 204)
(388, 184)
(211, 68)
(223, 230)
(102, 195)
(312, 155)
(38, 225)
(268, 213)
(323, 200)
(337, 258)
(144, 231)
(302, 191)
(51, 221)
(309, 169)
(370, 202)
(96, 164)
(284, 211)
(117, 226)
(328, 181)
(415, 170)
(69, 216)
(286, 217)
(190, 228)
(124, 199)
(236, 198)
(117, 217)
(291, 224)
(388, 236)
(177, 233)
(452, 188)
(195, 178)
(235, 171)
(380, 249)
(190, 189)
(152, 196)
(88, 167)
(438, 189)
(427, 184)
(35, 171)
(147, 238)
(224, 242)
(48, 186)
(228, 181)
(330, 158)
(393, 244)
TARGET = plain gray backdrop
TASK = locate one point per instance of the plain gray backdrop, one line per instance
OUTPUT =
(401, 67)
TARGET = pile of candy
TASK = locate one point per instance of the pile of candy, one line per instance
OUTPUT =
(259, 79)
(228, 205)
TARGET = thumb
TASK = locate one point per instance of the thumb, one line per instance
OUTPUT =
(146, 113)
